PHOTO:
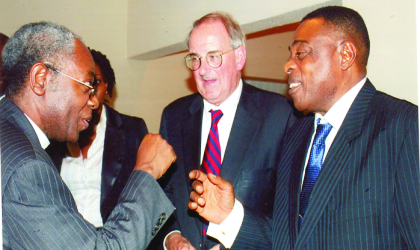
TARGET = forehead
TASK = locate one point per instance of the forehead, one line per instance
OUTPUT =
(83, 61)
(209, 36)
(311, 32)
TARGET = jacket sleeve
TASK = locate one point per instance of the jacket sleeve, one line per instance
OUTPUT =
(40, 213)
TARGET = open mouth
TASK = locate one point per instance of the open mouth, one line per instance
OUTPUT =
(86, 123)
(294, 85)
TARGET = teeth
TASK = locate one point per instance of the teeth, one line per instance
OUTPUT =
(293, 85)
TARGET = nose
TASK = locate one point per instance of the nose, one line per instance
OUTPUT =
(289, 66)
(204, 68)
(93, 102)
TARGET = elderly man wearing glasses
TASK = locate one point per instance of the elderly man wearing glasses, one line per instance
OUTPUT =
(50, 94)
(229, 128)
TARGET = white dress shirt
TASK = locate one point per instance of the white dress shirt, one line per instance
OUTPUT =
(335, 116)
(83, 177)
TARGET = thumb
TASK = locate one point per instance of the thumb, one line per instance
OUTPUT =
(218, 181)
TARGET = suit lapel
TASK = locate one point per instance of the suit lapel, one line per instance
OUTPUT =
(244, 129)
(113, 152)
(302, 141)
(335, 162)
(191, 134)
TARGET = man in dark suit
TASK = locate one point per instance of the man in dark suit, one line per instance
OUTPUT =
(367, 192)
(49, 95)
(109, 146)
(251, 129)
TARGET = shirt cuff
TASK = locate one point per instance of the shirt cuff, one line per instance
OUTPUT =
(227, 231)
(164, 240)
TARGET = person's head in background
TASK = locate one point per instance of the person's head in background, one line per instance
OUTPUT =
(3, 41)
(217, 55)
(105, 80)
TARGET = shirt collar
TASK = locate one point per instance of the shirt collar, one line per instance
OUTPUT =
(335, 116)
(43, 139)
(229, 104)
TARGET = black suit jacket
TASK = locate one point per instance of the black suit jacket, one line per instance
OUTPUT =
(38, 210)
(367, 195)
(123, 136)
(250, 160)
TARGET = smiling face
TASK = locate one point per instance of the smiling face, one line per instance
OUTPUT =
(216, 84)
(69, 109)
(314, 67)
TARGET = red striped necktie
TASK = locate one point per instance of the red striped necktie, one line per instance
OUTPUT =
(212, 160)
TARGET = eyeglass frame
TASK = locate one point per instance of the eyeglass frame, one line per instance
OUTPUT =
(87, 84)
(199, 57)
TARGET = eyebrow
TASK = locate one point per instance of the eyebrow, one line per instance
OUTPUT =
(297, 42)
(212, 51)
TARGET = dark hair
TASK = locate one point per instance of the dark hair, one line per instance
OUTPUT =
(236, 34)
(105, 66)
(33, 43)
(349, 23)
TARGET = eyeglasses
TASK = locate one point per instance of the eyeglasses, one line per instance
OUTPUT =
(92, 86)
(214, 60)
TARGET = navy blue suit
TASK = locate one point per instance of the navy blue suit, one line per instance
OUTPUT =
(367, 195)
(123, 136)
(260, 123)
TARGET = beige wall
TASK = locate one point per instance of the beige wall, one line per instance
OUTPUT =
(145, 87)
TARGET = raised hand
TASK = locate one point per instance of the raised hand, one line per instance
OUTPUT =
(154, 155)
(213, 198)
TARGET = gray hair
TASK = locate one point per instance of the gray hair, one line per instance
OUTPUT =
(236, 34)
(33, 43)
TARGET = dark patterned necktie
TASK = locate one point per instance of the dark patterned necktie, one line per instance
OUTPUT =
(313, 167)
(212, 159)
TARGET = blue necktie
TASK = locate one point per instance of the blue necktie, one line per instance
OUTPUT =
(313, 167)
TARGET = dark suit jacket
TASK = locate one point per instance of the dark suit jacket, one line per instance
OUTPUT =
(250, 159)
(367, 195)
(38, 209)
(123, 136)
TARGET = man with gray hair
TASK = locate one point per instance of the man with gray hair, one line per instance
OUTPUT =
(50, 94)
(229, 128)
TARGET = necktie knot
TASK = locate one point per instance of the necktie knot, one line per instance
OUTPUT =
(215, 117)
(322, 131)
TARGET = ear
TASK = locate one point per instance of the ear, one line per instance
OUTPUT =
(240, 55)
(37, 78)
(348, 55)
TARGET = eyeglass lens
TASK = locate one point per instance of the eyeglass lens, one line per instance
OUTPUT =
(193, 61)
